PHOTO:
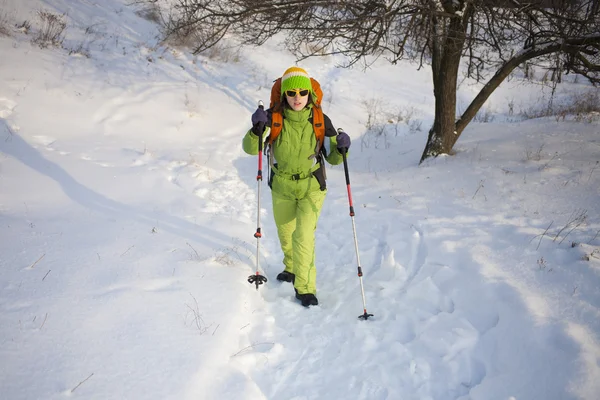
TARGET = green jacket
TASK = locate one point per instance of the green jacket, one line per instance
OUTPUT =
(294, 149)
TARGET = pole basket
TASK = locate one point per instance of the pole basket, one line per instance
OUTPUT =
(365, 316)
(257, 279)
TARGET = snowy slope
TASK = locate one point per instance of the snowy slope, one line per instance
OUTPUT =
(127, 214)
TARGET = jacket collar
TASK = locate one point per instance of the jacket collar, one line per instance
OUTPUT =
(296, 116)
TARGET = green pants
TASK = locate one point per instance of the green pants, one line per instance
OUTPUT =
(296, 208)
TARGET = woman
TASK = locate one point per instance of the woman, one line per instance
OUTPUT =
(298, 178)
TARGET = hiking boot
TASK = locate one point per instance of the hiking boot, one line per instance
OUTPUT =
(286, 277)
(307, 299)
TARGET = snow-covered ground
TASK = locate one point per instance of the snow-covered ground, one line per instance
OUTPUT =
(128, 208)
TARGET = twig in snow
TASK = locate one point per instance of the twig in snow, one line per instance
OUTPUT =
(46, 275)
(541, 236)
(595, 236)
(592, 171)
(80, 383)
(249, 347)
(197, 255)
(542, 263)
(556, 155)
(217, 327)
(44, 321)
(198, 321)
(480, 186)
(126, 251)
(38, 260)
(575, 227)
(576, 219)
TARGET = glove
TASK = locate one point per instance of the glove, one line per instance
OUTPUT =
(259, 120)
(343, 141)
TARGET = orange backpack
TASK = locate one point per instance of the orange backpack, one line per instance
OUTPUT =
(276, 106)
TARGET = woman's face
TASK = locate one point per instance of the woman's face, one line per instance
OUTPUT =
(297, 101)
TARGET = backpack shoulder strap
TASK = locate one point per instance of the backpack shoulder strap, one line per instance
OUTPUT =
(319, 123)
(276, 111)
(318, 116)
(276, 125)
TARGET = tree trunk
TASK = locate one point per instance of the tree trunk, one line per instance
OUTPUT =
(445, 75)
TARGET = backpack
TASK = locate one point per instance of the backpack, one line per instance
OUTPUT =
(276, 107)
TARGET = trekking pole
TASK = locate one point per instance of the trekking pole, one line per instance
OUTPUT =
(365, 315)
(257, 278)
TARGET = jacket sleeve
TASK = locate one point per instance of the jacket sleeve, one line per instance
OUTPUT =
(250, 142)
(334, 157)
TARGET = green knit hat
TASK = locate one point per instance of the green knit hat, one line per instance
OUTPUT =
(295, 78)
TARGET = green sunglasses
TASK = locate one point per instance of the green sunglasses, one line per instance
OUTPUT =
(294, 92)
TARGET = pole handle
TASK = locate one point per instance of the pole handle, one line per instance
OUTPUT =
(344, 151)
(261, 128)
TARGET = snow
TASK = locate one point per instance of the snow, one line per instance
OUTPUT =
(128, 208)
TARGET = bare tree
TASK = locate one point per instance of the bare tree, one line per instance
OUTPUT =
(487, 35)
